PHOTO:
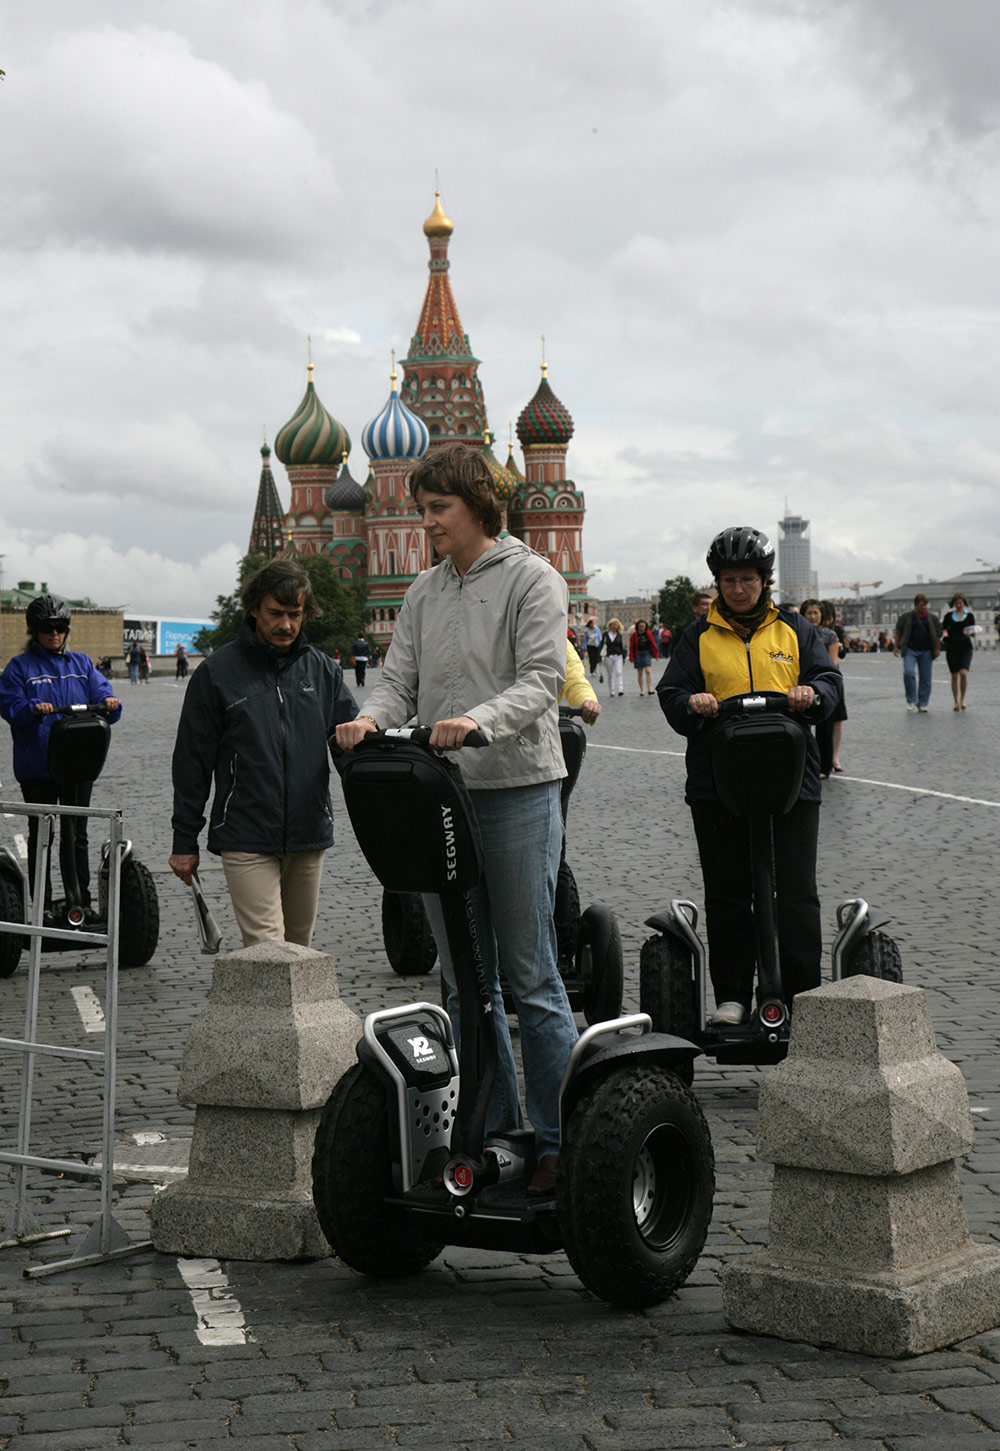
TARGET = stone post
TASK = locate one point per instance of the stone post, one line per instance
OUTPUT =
(869, 1243)
(258, 1066)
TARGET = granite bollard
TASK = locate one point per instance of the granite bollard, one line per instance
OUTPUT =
(258, 1065)
(869, 1243)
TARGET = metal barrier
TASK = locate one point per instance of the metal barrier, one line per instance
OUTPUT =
(106, 1239)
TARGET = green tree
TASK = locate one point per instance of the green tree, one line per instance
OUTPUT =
(341, 601)
(675, 602)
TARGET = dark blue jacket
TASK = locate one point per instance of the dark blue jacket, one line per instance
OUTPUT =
(35, 675)
(257, 722)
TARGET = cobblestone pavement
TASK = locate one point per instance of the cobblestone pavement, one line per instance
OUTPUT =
(485, 1349)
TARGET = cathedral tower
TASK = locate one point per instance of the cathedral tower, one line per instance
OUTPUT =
(312, 446)
(267, 533)
(398, 548)
(440, 378)
(548, 511)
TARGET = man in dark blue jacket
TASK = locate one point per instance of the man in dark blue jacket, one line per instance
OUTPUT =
(256, 718)
(34, 685)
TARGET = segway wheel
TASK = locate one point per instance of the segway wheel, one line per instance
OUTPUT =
(636, 1185)
(11, 910)
(352, 1174)
(139, 915)
(406, 933)
(667, 992)
(876, 955)
(599, 964)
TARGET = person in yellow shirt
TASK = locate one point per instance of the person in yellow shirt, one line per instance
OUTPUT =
(577, 689)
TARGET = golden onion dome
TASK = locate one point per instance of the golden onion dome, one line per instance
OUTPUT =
(437, 224)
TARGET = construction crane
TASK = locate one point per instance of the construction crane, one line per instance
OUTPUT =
(856, 585)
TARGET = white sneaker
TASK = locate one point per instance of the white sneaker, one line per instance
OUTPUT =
(727, 1015)
(912, 705)
(922, 709)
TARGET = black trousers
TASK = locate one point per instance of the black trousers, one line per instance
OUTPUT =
(594, 656)
(360, 666)
(51, 793)
(724, 849)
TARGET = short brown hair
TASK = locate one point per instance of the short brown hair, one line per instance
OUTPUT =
(458, 469)
(286, 581)
(954, 599)
(919, 599)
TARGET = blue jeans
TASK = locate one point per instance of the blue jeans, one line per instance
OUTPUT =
(522, 833)
(917, 662)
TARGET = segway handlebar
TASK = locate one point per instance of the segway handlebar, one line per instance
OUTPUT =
(419, 735)
(756, 700)
(81, 708)
(567, 712)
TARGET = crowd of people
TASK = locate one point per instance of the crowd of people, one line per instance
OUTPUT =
(481, 643)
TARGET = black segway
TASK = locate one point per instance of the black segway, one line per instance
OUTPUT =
(589, 944)
(78, 748)
(402, 1165)
(758, 757)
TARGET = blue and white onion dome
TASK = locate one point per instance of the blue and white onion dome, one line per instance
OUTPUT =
(395, 432)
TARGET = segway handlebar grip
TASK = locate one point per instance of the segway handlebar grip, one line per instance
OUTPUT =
(419, 735)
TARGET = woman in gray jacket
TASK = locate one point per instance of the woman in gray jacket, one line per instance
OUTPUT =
(480, 643)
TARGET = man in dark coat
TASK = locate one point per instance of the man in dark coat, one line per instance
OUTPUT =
(256, 717)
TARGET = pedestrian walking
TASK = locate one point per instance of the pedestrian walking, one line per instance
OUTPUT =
(592, 643)
(614, 656)
(44, 676)
(359, 654)
(255, 719)
(134, 659)
(957, 630)
(181, 656)
(917, 637)
(642, 651)
(827, 736)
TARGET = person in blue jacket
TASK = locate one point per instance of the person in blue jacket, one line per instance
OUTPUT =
(34, 684)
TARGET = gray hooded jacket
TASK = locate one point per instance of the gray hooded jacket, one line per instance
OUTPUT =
(491, 646)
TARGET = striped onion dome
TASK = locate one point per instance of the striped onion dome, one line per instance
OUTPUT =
(544, 419)
(395, 432)
(505, 485)
(311, 435)
(345, 492)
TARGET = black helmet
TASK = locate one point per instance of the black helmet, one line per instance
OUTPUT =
(740, 545)
(46, 607)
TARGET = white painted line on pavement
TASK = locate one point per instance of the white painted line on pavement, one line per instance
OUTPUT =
(220, 1319)
(632, 750)
(90, 1009)
(858, 780)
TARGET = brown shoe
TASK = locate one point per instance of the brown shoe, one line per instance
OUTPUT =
(543, 1181)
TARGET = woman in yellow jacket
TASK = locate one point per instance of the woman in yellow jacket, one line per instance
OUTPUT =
(746, 643)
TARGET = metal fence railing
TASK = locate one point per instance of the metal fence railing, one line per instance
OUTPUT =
(105, 1239)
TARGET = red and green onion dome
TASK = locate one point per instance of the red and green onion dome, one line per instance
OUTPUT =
(544, 420)
(395, 432)
(345, 492)
(505, 484)
(312, 435)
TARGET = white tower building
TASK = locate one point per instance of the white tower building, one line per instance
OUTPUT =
(795, 577)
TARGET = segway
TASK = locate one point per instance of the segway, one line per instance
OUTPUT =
(758, 757)
(78, 747)
(589, 943)
(402, 1165)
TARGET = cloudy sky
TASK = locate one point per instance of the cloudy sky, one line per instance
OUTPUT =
(759, 236)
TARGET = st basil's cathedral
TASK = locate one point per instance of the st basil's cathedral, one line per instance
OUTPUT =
(371, 530)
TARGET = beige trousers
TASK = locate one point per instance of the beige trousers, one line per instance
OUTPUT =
(274, 897)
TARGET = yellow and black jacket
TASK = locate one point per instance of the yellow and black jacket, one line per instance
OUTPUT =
(710, 656)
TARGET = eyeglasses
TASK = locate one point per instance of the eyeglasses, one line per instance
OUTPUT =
(52, 627)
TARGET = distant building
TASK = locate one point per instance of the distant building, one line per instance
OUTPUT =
(96, 629)
(369, 526)
(795, 576)
(981, 588)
